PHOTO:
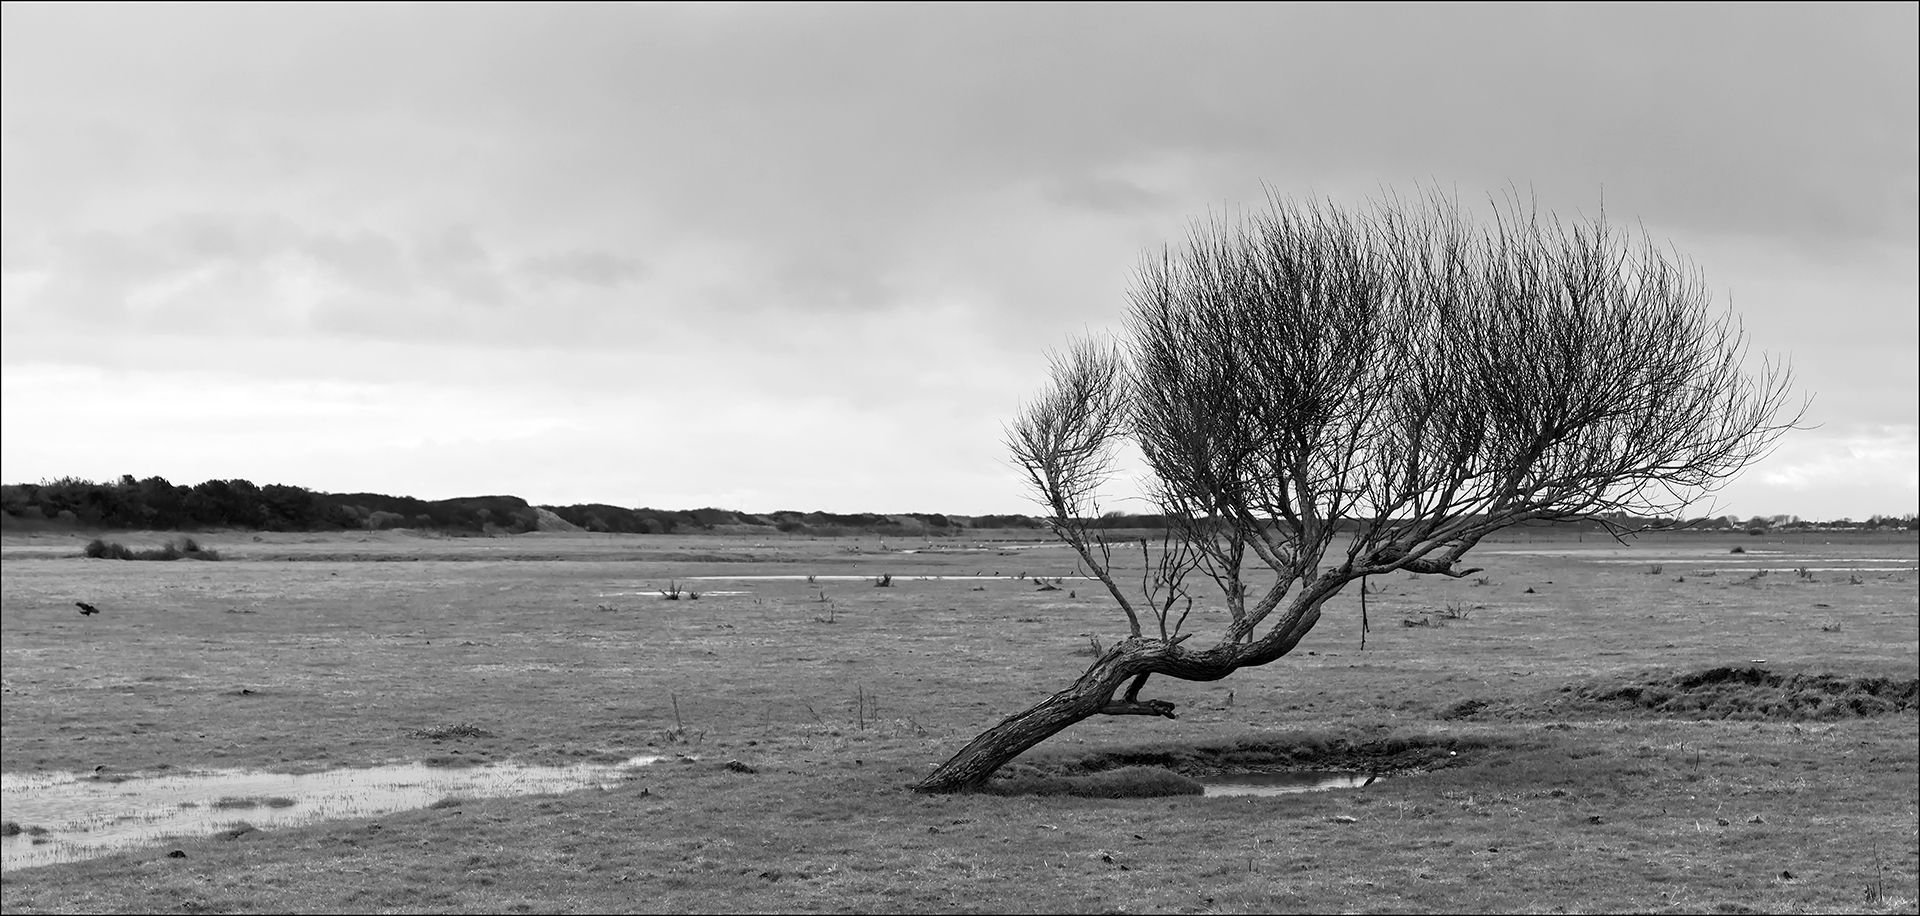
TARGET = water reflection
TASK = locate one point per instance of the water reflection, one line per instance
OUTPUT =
(868, 577)
(1282, 783)
(66, 817)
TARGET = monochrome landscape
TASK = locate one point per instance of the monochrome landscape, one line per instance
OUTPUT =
(960, 458)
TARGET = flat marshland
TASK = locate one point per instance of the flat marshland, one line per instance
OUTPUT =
(1583, 727)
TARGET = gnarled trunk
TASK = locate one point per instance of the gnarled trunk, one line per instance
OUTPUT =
(1092, 695)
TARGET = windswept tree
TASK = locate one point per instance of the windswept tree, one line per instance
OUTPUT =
(1319, 395)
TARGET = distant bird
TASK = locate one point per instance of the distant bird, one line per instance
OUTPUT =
(86, 608)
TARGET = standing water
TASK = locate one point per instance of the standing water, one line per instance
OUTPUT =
(66, 817)
(1282, 782)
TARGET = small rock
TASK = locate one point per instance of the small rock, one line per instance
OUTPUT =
(738, 767)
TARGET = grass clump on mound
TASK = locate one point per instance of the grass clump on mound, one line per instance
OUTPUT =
(1125, 782)
(1756, 693)
(176, 549)
(1167, 768)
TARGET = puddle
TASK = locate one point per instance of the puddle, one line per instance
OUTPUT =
(1815, 569)
(1282, 782)
(81, 817)
(862, 578)
(1670, 554)
(655, 593)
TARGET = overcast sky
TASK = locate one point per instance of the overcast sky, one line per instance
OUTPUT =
(804, 256)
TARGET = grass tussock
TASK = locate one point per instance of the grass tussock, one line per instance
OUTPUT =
(1125, 782)
(1756, 693)
(182, 548)
(443, 732)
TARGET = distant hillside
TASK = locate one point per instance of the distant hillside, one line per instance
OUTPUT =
(156, 504)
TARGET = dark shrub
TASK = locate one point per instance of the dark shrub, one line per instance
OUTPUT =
(179, 548)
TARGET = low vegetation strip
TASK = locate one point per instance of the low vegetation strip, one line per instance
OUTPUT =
(176, 549)
(1756, 693)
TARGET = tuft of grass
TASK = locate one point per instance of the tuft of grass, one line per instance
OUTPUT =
(443, 732)
(176, 549)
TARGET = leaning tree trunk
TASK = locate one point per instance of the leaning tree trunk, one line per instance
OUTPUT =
(1092, 695)
(1018, 732)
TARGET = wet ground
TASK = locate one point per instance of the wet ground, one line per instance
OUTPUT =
(65, 817)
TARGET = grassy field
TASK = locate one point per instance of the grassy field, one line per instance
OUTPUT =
(1590, 728)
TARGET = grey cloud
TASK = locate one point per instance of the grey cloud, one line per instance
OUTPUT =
(362, 258)
(1111, 195)
(582, 266)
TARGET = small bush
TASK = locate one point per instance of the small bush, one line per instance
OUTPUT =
(176, 549)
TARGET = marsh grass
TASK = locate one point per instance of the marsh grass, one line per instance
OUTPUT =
(1692, 802)
(250, 802)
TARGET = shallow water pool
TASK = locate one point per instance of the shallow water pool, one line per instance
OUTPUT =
(67, 817)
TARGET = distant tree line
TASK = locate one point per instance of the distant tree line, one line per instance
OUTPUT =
(159, 505)
(154, 504)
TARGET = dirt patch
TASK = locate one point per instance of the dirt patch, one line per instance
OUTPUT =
(1169, 769)
(1755, 693)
